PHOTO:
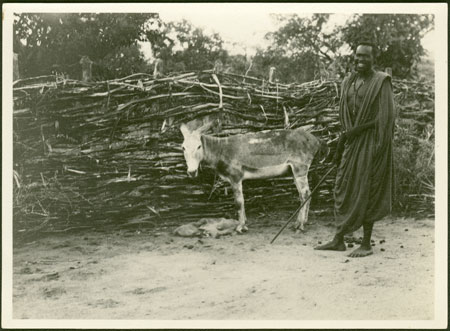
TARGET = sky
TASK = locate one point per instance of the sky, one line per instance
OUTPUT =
(243, 27)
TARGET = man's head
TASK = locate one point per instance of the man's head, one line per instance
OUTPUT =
(364, 57)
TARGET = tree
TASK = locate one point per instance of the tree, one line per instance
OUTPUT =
(300, 49)
(237, 64)
(45, 40)
(304, 35)
(397, 37)
(124, 61)
(182, 46)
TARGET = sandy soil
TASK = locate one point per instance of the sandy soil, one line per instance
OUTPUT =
(154, 275)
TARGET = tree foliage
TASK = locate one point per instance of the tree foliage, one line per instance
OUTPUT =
(183, 46)
(45, 40)
(238, 64)
(304, 35)
(397, 37)
(302, 50)
(124, 61)
(299, 49)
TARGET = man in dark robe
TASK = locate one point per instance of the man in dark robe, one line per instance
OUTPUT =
(364, 186)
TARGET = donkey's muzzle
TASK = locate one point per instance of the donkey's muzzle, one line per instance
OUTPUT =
(193, 174)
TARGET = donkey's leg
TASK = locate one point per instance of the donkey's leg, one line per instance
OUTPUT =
(239, 200)
(300, 173)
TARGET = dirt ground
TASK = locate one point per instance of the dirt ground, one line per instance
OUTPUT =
(148, 274)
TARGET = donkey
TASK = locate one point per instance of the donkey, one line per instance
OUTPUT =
(257, 155)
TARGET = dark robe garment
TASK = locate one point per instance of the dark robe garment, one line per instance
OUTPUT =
(364, 187)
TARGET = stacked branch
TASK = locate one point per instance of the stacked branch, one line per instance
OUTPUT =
(98, 153)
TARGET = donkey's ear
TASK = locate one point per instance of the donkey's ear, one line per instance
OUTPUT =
(206, 127)
(184, 129)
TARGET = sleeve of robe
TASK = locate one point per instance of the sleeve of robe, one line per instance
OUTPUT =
(385, 120)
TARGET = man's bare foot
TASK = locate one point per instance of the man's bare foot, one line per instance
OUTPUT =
(334, 245)
(361, 251)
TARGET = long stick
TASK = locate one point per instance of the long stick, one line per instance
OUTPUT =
(303, 203)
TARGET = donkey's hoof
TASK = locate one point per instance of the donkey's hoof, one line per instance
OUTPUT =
(241, 228)
(300, 229)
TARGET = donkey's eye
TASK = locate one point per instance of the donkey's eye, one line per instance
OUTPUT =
(199, 147)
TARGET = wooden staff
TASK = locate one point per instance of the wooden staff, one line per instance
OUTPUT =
(301, 206)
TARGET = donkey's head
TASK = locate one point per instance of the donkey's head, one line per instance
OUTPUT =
(193, 148)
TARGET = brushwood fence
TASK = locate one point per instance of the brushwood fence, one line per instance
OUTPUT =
(95, 154)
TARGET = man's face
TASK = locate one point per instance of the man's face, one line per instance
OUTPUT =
(363, 58)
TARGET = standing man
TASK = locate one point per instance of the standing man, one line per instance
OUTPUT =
(364, 185)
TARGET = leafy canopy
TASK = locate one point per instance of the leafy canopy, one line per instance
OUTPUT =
(304, 48)
(185, 47)
(299, 49)
(397, 37)
(45, 40)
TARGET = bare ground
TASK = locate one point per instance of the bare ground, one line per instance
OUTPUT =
(153, 275)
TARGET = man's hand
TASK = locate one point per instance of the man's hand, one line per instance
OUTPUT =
(356, 131)
(349, 136)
